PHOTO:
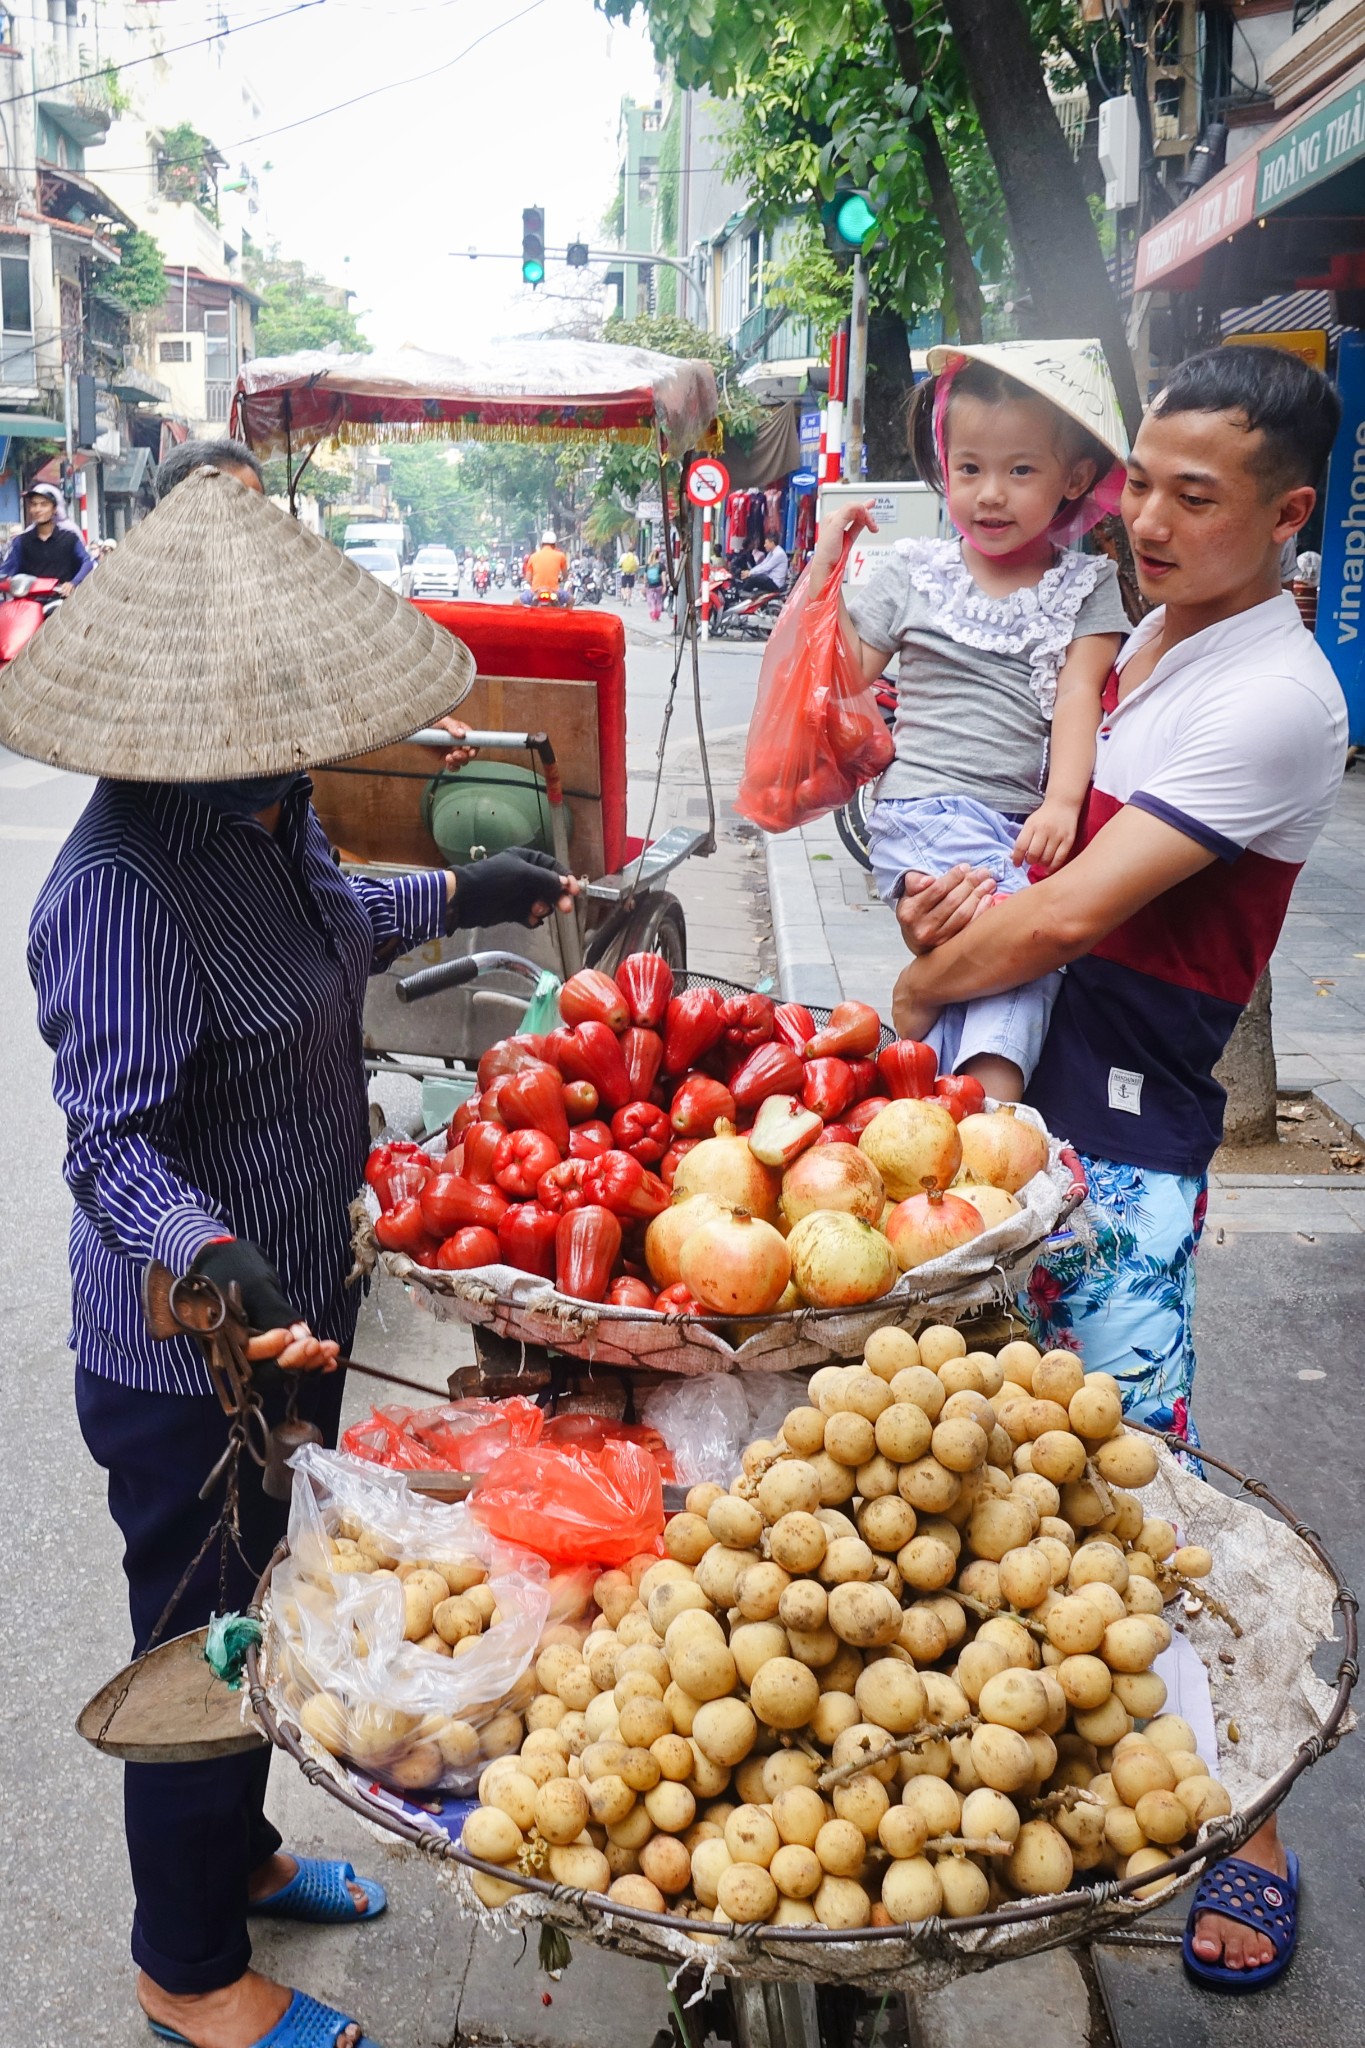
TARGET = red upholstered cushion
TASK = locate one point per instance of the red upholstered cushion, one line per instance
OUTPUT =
(586, 646)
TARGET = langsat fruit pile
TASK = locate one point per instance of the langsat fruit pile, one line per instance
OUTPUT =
(902, 1666)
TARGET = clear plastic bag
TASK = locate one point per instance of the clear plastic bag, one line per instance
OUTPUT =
(816, 734)
(420, 1680)
(705, 1423)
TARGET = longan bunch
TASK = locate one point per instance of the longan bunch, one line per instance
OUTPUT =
(897, 1668)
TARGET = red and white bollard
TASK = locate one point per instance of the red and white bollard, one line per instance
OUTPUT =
(706, 572)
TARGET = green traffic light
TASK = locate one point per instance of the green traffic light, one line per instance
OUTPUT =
(854, 220)
(532, 271)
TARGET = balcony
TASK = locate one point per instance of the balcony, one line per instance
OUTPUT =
(81, 107)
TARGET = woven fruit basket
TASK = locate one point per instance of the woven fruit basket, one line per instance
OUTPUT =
(1274, 1717)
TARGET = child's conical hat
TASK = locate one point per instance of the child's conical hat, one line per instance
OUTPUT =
(1072, 375)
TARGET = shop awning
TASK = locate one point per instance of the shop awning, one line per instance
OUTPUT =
(30, 426)
(1304, 150)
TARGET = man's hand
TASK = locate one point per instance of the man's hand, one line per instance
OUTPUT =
(521, 886)
(1046, 838)
(458, 757)
(911, 1017)
(294, 1349)
(934, 908)
(64, 590)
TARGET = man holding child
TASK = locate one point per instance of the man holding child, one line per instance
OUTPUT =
(1218, 738)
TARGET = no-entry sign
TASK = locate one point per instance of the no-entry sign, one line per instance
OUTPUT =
(707, 482)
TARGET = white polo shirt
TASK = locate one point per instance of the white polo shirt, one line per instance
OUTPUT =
(1238, 739)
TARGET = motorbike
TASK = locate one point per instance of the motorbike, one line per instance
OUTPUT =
(482, 578)
(850, 820)
(500, 574)
(535, 600)
(25, 601)
(734, 611)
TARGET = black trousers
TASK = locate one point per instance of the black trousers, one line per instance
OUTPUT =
(752, 586)
(195, 1832)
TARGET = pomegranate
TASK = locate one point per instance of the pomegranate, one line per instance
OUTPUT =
(995, 1204)
(838, 1260)
(724, 1166)
(671, 1229)
(914, 1145)
(737, 1265)
(832, 1177)
(924, 1227)
(1001, 1148)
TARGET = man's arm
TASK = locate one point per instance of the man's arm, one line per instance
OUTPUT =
(1132, 859)
(85, 561)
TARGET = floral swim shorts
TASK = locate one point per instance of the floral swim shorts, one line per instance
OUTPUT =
(1119, 1288)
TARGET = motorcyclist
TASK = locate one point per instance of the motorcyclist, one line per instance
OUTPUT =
(48, 545)
(546, 568)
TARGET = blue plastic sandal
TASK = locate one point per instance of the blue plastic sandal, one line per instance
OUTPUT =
(304, 2024)
(1243, 1891)
(317, 1891)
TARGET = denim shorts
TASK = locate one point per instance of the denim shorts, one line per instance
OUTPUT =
(930, 835)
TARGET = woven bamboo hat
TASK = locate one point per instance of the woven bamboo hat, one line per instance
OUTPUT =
(223, 639)
(1073, 375)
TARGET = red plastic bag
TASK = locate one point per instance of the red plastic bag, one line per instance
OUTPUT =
(589, 1432)
(575, 1506)
(457, 1436)
(816, 733)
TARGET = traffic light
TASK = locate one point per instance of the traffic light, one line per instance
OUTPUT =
(576, 255)
(533, 245)
(848, 219)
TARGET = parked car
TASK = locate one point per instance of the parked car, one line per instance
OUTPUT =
(382, 563)
(435, 572)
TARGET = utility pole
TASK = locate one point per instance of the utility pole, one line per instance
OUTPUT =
(857, 374)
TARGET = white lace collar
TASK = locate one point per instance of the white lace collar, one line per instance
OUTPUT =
(1039, 622)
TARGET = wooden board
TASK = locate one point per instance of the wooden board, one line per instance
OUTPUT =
(371, 805)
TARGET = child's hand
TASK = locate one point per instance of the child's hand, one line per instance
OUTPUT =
(834, 529)
(1047, 837)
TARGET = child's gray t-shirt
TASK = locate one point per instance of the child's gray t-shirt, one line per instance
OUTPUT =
(978, 674)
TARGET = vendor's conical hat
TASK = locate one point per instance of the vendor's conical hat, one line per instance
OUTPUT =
(223, 639)
(1073, 375)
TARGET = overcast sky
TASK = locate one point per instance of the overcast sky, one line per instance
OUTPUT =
(377, 195)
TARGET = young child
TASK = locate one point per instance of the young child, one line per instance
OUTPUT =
(1005, 642)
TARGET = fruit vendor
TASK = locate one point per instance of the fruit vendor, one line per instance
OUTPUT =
(1218, 762)
(200, 962)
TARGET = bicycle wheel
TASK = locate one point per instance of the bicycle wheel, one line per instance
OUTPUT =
(850, 822)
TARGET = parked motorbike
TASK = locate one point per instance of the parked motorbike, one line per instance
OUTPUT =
(25, 601)
(850, 821)
(735, 612)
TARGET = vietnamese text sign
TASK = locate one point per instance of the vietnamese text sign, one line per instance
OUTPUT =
(1317, 147)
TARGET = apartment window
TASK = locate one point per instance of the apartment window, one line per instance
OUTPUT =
(755, 286)
(174, 351)
(218, 363)
(17, 362)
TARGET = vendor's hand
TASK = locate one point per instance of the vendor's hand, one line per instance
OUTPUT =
(521, 886)
(458, 757)
(294, 1349)
(934, 908)
(835, 527)
(64, 590)
(911, 1017)
(1046, 838)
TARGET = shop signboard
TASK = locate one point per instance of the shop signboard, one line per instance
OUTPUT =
(1309, 344)
(1324, 142)
(1341, 593)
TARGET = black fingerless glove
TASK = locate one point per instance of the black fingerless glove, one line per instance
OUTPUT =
(263, 1302)
(507, 888)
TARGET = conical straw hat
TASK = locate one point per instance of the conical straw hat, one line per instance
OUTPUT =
(1072, 374)
(222, 639)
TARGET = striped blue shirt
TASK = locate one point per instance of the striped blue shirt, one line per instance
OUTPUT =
(200, 982)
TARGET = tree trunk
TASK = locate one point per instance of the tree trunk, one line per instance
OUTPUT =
(890, 381)
(1053, 236)
(1247, 1071)
(957, 250)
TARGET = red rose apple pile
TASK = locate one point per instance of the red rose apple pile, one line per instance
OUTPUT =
(704, 1154)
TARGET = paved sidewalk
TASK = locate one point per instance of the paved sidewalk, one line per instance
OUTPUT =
(836, 938)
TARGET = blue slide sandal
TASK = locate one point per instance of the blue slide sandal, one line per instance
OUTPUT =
(317, 1891)
(1243, 1891)
(304, 2024)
